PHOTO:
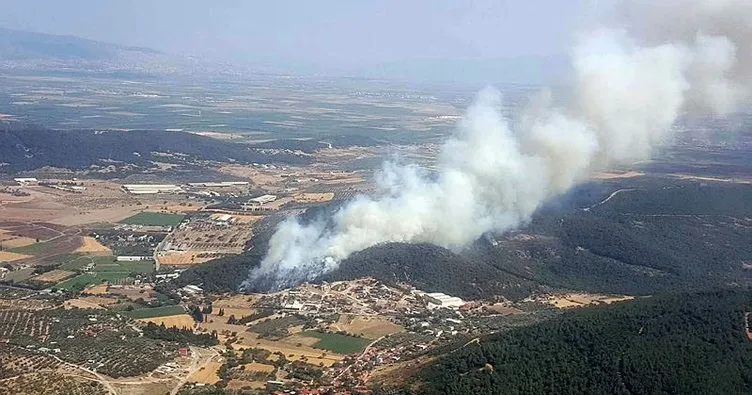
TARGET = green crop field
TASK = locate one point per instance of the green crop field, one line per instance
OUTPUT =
(76, 263)
(153, 219)
(156, 312)
(138, 267)
(341, 344)
(81, 281)
(131, 267)
(32, 249)
(105, 264)
(19, 275)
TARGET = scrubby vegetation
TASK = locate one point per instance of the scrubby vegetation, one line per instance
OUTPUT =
(27, 147)
(183, 336)
(432, 269)
(277, 328)
(631, 244)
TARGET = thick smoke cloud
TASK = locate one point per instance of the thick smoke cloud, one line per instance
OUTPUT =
(632, 83)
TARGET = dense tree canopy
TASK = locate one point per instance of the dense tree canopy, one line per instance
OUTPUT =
(675, 344)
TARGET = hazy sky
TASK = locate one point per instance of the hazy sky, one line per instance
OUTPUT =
(325, 33)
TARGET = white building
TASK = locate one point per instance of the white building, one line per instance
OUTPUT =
(223, 218)
(263, 199)
(132, 258)
(166, 276)
(218, 184)
(143, 189)
(192, 289)
(443, 300)
(295, 305)
(26, 180)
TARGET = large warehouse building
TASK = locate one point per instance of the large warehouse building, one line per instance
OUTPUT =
(443, 300)
(143, 189)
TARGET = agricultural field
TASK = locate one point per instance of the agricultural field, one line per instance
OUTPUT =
(237, 305)
(247, 219)
(7, 256)
(335, 342)
(35, 243)
(20, 275)
(29, 233)
(95, 339)
(97, 289)
(365, 326)
(80, 282)
(19, 299)
(33, 249)
(291, 347)
(153, 219)
(141, 267)
(22, 324)
(53, 276)
(156, 312)
(314, 197)
(51, 383)
(186, 258)
(90, 302)
(277, 328)
(75, 262)
(17, 361)
(104, 264)
(10, 240)
(258, 367)
(207, 374)
(92, 246)
(133, 292)
(204, 235)
(171, 321)
(582, 299)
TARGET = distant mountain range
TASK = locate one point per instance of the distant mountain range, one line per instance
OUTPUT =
(29, 51)
(16, 45)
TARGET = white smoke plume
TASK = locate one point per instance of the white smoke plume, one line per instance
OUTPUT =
(631, 85)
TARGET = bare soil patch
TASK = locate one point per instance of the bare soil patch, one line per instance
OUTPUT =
(310, 197)
(177, 321)
(6, 256)
(53, 276)
(98, 289)
(615, 175)
(9, 240)
(583, 299)
(207, 374)
(247, 219)
(92, 246)
(368, 327)
(186, 258)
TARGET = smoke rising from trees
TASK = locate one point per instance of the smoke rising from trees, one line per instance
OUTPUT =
(631, 84)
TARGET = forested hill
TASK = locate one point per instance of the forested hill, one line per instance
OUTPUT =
(433, 269)
(29, 147)
(672, 344)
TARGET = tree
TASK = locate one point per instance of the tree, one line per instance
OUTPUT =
(196, 314)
